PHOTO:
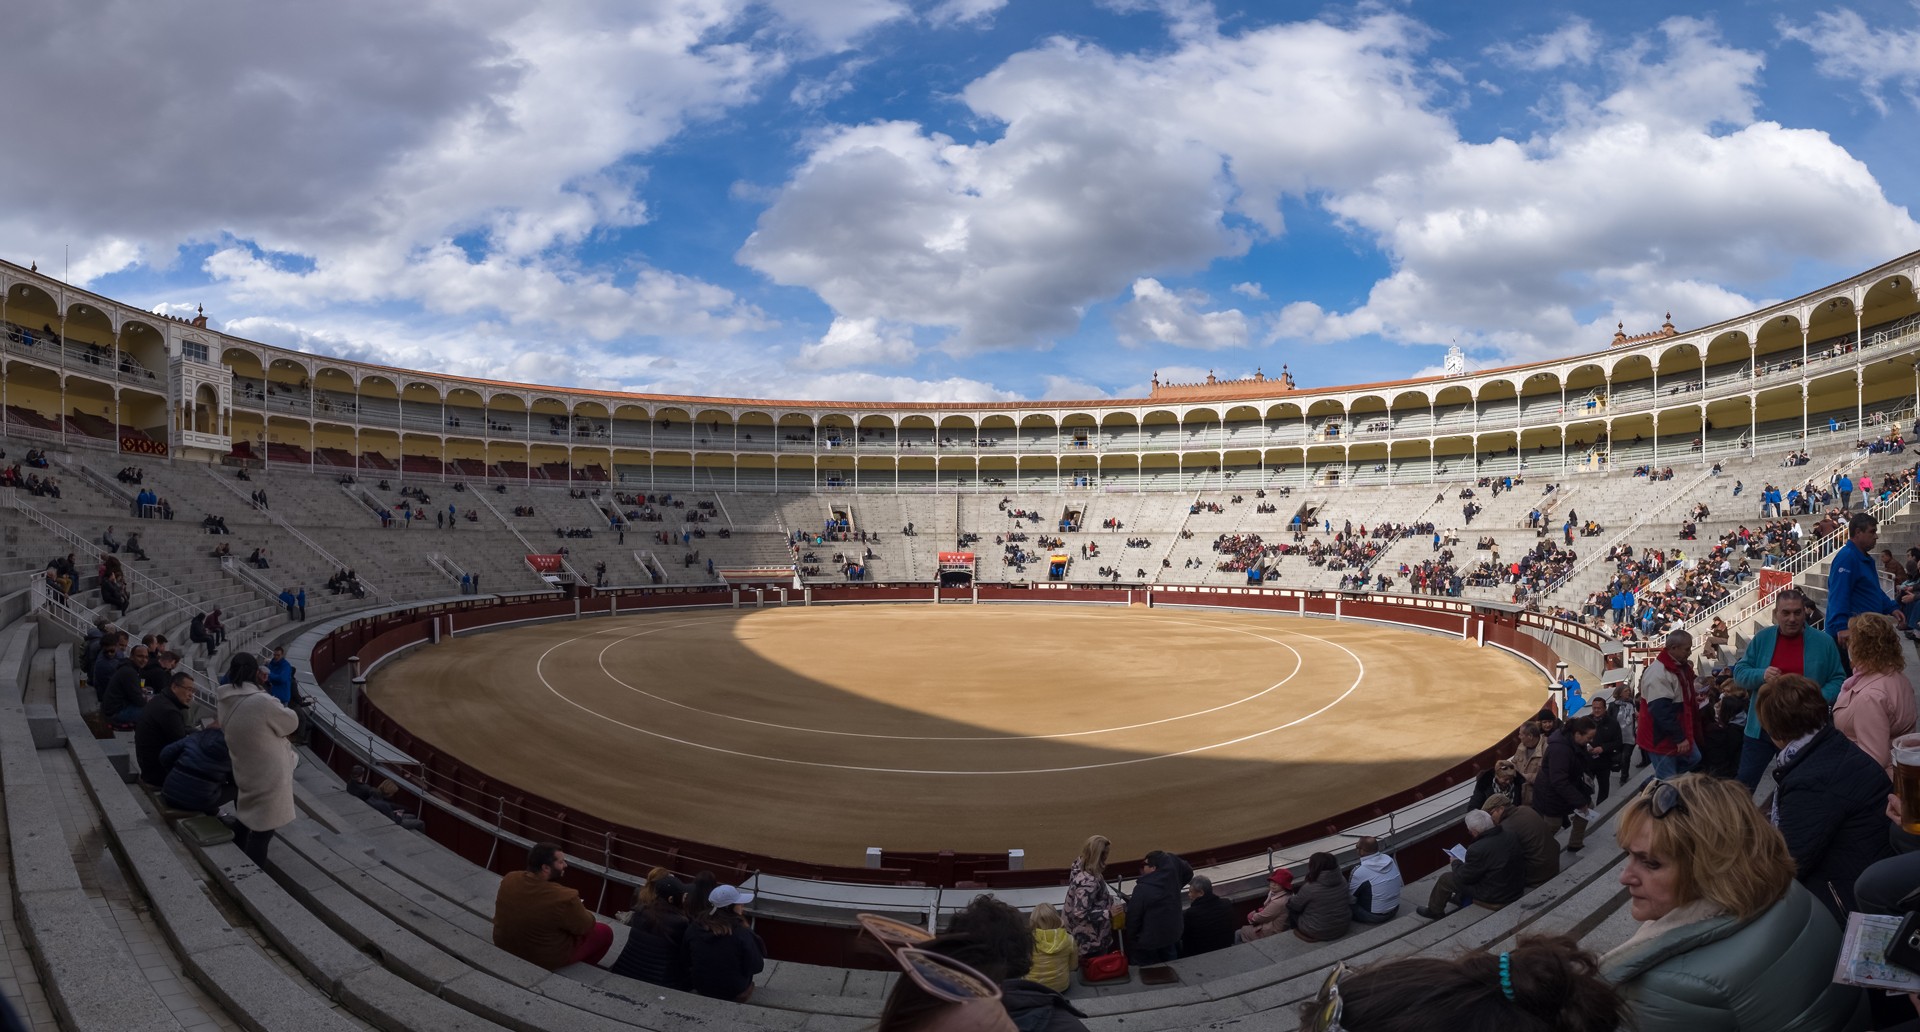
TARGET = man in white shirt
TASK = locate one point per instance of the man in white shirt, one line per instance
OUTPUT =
(1375, 884)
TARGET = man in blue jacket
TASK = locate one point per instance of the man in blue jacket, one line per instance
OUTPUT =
(1844, 485)
(1853, 582)
(1788, 647)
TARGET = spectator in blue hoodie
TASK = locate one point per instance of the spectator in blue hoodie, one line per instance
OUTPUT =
(280, 677)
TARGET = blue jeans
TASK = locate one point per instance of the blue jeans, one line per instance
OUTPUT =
(126, 716)
(1363, 915)
(1755, 754)
(1668, 767)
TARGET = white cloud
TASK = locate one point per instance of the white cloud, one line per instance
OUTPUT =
(1068, 388)
(835, 24)
(1250, 290)
(1638, 203)
(357, 144)
(1109, 168)
(964, 12)
(875, 387)
(1158, 315)
(855, 342)
(1846, 47)
(1572, 43)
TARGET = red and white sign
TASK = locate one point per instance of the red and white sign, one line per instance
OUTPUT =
(1771, 581)
(546, 563)
(957, 560)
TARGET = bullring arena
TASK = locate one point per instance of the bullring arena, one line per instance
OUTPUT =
(813, 648)
(810, 734)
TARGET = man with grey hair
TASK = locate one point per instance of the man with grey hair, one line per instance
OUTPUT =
(1667, 707)
(1492, 875)
(1209, 922)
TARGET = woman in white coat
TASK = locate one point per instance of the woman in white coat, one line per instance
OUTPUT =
(259, 731)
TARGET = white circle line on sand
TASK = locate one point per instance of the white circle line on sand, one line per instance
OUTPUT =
(953, 773)
(1298, 665)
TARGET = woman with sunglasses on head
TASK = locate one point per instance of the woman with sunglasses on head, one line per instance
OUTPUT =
(1728, 940)
(1543, 984)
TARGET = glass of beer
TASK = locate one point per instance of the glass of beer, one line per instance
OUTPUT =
(1906, 780)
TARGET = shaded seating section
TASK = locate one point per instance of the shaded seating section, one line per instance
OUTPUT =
(29, 418)
(375, 460)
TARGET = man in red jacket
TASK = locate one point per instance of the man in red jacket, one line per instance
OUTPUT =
(542, 921)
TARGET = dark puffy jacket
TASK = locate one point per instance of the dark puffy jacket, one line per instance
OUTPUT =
(720, 964)
(1561, 787)
(198, 771)
(1036, 1008)
(1209, 925)
(1323, 908)
(655, 950)
(1153, 908)
(1833, 812)
(163, 721)
(1495, 870)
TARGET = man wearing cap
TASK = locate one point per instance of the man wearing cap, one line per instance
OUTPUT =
(1493, 874)
(1153, 909)
(1375, 884)
(543, 922)
(1534, 833)
(723, 954)
(1209, 922)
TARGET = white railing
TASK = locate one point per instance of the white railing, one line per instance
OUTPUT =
(448, 568)
(1599, 552)
(275, 518)
(60, 608)
(1751, 602)
(239, 570)
(136, 580)
(652, 565)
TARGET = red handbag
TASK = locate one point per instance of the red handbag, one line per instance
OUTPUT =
(1107, 967)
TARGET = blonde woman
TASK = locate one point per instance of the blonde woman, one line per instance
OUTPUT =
(1875, 704)
(1090, 907)
(1728, 939)
(1054, 953)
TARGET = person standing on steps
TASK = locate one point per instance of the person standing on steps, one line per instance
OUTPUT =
(1787, 647)
(260, 743)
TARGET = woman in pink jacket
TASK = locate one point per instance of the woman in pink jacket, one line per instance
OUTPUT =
(1875, 704)
(1270, 918)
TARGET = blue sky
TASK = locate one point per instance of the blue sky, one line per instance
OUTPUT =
(958, 199)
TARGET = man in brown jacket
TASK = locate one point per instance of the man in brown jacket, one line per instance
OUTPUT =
(541, 921)
(1535, 833)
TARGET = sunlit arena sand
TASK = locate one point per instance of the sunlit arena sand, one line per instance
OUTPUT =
(813, 733)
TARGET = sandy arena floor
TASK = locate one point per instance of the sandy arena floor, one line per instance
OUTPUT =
(812, 733)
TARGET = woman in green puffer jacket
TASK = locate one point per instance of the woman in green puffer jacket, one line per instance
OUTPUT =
(1728, 940)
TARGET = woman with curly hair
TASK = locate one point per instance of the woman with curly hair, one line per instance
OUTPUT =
(1542, 984)
(1875, 704)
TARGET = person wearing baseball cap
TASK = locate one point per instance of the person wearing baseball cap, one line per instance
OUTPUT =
(723, 953)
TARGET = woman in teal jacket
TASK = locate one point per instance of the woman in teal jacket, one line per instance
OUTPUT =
(1728, 940)
(1819, 661)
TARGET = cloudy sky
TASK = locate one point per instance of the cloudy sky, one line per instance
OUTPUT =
(955, 199)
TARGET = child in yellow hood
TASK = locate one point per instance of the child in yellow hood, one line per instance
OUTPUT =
(1054, 954)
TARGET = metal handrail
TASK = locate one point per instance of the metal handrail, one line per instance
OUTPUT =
(60, 607)
(1753, 601)
(135, 579)
(277, 520)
